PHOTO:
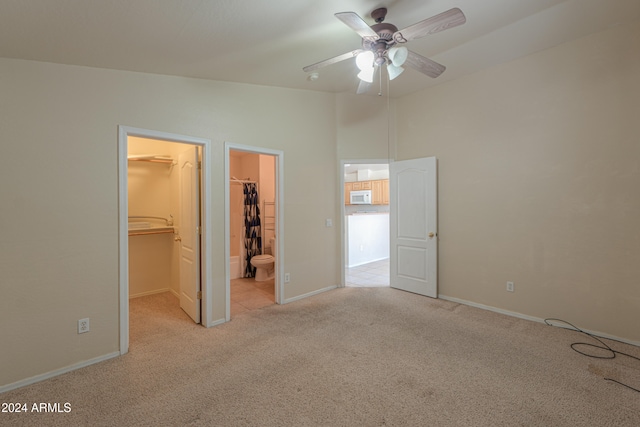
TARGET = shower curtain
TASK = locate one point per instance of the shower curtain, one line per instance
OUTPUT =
(252, 232)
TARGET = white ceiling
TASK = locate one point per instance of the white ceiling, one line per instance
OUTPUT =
(268, 42)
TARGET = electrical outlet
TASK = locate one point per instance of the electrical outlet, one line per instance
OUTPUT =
(510, 287)
(83, 325)
(328, 222)
(287, 278)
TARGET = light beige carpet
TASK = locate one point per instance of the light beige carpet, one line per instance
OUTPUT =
(348, 357)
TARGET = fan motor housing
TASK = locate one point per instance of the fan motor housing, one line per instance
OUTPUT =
(385, 31)
(383, 43)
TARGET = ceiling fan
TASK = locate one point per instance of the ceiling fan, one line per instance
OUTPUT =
(382, 44)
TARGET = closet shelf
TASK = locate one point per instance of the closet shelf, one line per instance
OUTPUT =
(151, 158)
(141, 228)
(135, 224)
(153, 230)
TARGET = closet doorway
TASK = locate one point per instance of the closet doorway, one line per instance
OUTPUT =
(164, 221)
(253, 227)
(164, 230)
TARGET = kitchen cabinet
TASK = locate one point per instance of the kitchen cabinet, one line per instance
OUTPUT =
(348, 186)
(361, 185)
(376, 193)
(379, 190)
(385, 191)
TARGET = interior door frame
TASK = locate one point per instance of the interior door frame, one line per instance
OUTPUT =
(124, 132)
(343, 224)
(279, 211)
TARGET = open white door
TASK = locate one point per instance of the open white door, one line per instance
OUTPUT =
(189, 231)
(413, 226)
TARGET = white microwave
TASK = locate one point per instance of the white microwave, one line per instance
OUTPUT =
(361, 197)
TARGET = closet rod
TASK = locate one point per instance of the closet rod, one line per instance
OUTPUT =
(165, 161)
(241, 181)
(146, 232)
(153, 158)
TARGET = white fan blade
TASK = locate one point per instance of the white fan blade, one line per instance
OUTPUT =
(357, 24)
(333, 60)
(424, 65)
(449, 19)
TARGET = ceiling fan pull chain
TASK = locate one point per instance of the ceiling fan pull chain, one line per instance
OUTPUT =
(380, 91)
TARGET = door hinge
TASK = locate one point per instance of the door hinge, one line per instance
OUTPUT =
(199, 164)
(199, 295)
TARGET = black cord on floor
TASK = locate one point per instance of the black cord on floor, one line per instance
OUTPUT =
(609, 353)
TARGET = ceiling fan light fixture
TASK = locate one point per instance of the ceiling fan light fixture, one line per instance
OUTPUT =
(381, 44)
(366, 75)
(398, 55)
(394, 71)
(364, 60)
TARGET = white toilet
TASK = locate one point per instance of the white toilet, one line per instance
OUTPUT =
(265, 264)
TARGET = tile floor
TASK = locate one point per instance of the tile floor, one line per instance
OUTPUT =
(247, 294)
(374, 274)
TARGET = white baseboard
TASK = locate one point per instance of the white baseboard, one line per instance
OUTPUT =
(490, 308)
(55, 373)
(531, 318)
(216, 323)
(157, 291)
(310, 294)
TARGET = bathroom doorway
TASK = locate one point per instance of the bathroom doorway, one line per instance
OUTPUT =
(164, 226)
(253, 227)
(365, 223)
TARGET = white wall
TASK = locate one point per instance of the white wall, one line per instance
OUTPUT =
(236, 201)
(366, 126)
(538, 181)
(150, 264)
(267, 194)
(59, 248)
(368, 236)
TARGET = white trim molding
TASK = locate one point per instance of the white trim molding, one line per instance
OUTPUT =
(310, 294)
(531, 318)
(279, 211)
(124, 132)
(343, 225)
(56, 372)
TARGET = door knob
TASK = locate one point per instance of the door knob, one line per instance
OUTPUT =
(431, 234)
